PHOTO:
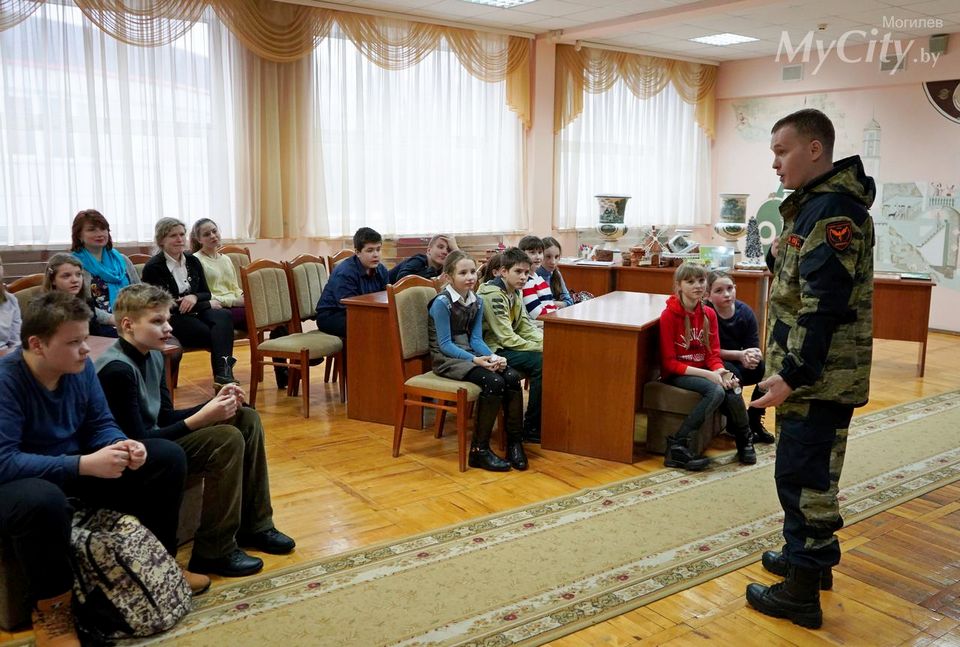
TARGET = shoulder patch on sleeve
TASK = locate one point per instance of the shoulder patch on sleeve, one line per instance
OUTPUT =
(839, 235)
(795, 240)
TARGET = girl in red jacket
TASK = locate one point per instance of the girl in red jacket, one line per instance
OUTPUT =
(690, 359)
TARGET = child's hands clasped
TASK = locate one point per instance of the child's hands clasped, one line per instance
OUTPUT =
(751, 357)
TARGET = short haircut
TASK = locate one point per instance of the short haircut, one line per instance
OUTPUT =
(163, 227)
(531, 243)
(513, 256)
(134, 299)
(365, 236)
(53, 266)
(716, 275)
(689, 271)
(444, 237)
(42, 316)
(195, 243)
(81, 220)
(812, 124)
(454, 257)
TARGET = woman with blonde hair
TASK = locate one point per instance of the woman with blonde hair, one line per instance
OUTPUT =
(195, 322)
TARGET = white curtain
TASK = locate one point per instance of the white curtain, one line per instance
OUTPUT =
(652, 150)
(413, 151)
(89, 122)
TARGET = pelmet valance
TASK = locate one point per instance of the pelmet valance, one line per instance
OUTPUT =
(596, 70)
(284, 33)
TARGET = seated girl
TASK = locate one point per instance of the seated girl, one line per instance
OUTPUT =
(459, 353)
(690, 359)
(64, 273)
(195, 323)
(218, 269)
(9, 319)
(551, 274)
(739, 343)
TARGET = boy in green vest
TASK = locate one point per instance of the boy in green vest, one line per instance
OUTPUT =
(222, 439)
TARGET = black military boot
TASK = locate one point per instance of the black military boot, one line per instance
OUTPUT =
(480, 453)
(225, 376)
(678, 454)
(776, 563)
(760, 433)
(513, 421)
(746, 454)
(797, 598)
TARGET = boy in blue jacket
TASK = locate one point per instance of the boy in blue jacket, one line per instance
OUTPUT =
(362, 273)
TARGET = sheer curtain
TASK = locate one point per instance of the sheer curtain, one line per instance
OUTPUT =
(89, 122)
(652, 150)
(404, 150)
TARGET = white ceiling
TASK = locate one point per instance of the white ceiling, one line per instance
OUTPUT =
(664, 26)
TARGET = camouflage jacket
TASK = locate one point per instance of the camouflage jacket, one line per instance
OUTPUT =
(820, 310)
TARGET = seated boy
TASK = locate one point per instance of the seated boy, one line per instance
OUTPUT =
(509, 332)
(58, 440)
(362, 273)
(223, 440)
(537, 296)
(429, 265)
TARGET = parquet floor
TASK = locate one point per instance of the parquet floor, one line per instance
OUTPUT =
(336, 487)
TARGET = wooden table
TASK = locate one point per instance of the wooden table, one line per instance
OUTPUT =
(596, 359)
(901, 311)
(373, 384)
(751, 286)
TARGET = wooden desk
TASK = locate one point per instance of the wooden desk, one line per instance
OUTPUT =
(372, 381)
(596, 358)
(595, 279)
(751, 286)
(901, 311)
(98, 345)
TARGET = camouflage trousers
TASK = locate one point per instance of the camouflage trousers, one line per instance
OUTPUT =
(811, 443)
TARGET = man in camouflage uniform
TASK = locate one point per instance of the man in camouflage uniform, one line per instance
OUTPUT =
(819, 345)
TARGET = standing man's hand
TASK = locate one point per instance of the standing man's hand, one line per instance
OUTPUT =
(776, 391)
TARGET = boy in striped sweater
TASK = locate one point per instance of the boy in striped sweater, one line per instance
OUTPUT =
(537, 297)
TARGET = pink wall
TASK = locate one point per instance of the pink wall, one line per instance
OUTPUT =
(917, 143)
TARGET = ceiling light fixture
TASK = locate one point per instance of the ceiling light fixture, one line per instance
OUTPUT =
(722, 40)
(503, 4)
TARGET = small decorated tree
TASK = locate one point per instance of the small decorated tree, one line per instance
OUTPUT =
(753, 250)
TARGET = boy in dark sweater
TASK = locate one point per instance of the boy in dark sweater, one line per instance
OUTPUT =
(429, 265)
(223, 441)
(362, 273)
(58, 440)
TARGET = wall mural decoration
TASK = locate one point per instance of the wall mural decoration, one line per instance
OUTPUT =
(945, 97)
(918, 230)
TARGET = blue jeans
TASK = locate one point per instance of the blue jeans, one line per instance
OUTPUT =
(713, 397)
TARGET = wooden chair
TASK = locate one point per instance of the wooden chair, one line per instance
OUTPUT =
(307, 276)
(27, 287)
(266, 295)
(139, 260)
(339, 257)
(407, 301)
(239, 256)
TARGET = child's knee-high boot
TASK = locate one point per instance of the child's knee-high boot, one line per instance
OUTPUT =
(746, 454)
(513, 421)
(480, 453)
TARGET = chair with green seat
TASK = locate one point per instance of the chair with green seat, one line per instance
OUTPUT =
(407, 301)
(269, 304)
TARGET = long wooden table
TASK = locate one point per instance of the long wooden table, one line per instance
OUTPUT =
(901, 311)
(751, 285)
(373, 380)
(597, 355)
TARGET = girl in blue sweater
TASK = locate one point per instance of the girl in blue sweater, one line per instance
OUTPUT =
(459, 353)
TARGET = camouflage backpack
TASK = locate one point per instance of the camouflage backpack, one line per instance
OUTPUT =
(125, 583)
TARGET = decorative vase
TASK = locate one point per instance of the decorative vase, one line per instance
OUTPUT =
(733, 207)
(612, 211)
